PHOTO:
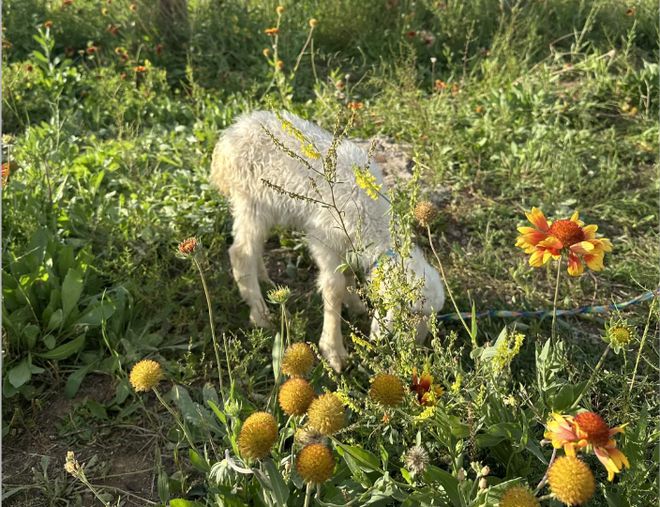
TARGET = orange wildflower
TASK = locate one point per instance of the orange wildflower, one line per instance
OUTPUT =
(140, 68)
(355, 106)
(188, 246)
(427, 392)
(548, 240)
(587, 430)
(6, 170)
(272, 31)
(48, 24)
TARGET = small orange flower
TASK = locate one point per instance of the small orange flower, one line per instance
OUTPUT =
(548, 240)
(140, 68)
(112, 29)
(355, 106)
(48, 24)
(272, 31)
(279, 64)
(631, 11)
(133, 7)
(188, 246)
(427, 392)
(411, 35)
(440, 85)
(66, 3)
(92, 49)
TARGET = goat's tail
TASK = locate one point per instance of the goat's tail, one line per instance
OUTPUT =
(222, 166)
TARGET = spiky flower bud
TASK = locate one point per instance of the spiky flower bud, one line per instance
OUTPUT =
(387, 390)
(295, 396)
(315, 463)
(298, 360)
(188, 246)
(571, 480)
(145, 375)
(257, 436)
(416, 459)
(326, 414)
(425, 212)
(519, 496)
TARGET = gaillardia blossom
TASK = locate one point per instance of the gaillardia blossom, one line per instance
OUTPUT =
(427, 392)
(549, 240)
(587, 430)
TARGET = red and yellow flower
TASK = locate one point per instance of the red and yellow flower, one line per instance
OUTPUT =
(427, 392)
(549, 240)
(587, 430)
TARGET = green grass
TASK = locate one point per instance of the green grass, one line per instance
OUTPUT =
(548, 104)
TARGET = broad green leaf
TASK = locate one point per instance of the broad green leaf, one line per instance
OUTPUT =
(75, 380)
(198, 461)
(97, 313)
(20, 374)
(72, 287)
(367, 461)
(279, 489)
(448, 482)
(64, 351)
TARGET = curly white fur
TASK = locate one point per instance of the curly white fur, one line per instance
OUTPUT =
(246, 157)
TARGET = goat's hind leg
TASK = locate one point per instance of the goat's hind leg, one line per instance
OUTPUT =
(246, 256)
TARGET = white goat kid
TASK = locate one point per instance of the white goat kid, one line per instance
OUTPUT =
(251, 170)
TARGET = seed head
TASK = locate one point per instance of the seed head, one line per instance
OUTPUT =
(280, 10)
(571, 480)
(257, 436)
(326, 414)
(306, 435)
(425, 212)
(416, 459)
(315, 463)
(295, 396)
(313, 23)
(145, 375)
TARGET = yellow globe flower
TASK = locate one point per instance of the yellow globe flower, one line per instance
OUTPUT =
(257, 436)
(298, 360)
(145, 375)
(518, 496)
(571, 480)
(315, 463)
(326, 414)
(295, 396)
(387, 390)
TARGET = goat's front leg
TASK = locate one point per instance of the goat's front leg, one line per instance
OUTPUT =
(333, 288)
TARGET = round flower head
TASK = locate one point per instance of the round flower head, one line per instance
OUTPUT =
(145, 375)
(387, 390)
(326, 414)
(593, 431)
(298, 360)
(295, 396)
(313, 23)
(315, 463)
(279, 294)
(518, 496)
(549, 240)
(257, 436)
(571, 480)
(416, 459)
(280, 9)
(425, 212)
(188, 246)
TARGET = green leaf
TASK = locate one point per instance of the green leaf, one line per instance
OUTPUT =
(279, 489)
(96, 313)
(76, 378)
(448, 482)
(20, 374)
(71, 290)
(64, 351)
(218, 413)
(367, 461)
(182, 502)
(198, 461)
(278, 347)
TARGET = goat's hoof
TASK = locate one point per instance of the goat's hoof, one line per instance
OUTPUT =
(336, 358)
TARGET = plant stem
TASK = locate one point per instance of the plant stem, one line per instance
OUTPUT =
(540, 485)
(639, 353)
(598, 366)
(449, 293)
(308, 494)
(554, 303)
(215, 340)
(178, 421)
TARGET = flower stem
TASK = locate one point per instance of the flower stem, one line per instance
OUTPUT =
(308, 494)
(598, 366)
(540, 485)
(449, 292)
(639, 353)
(178, 421)
(215, 339)
(554, 303)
